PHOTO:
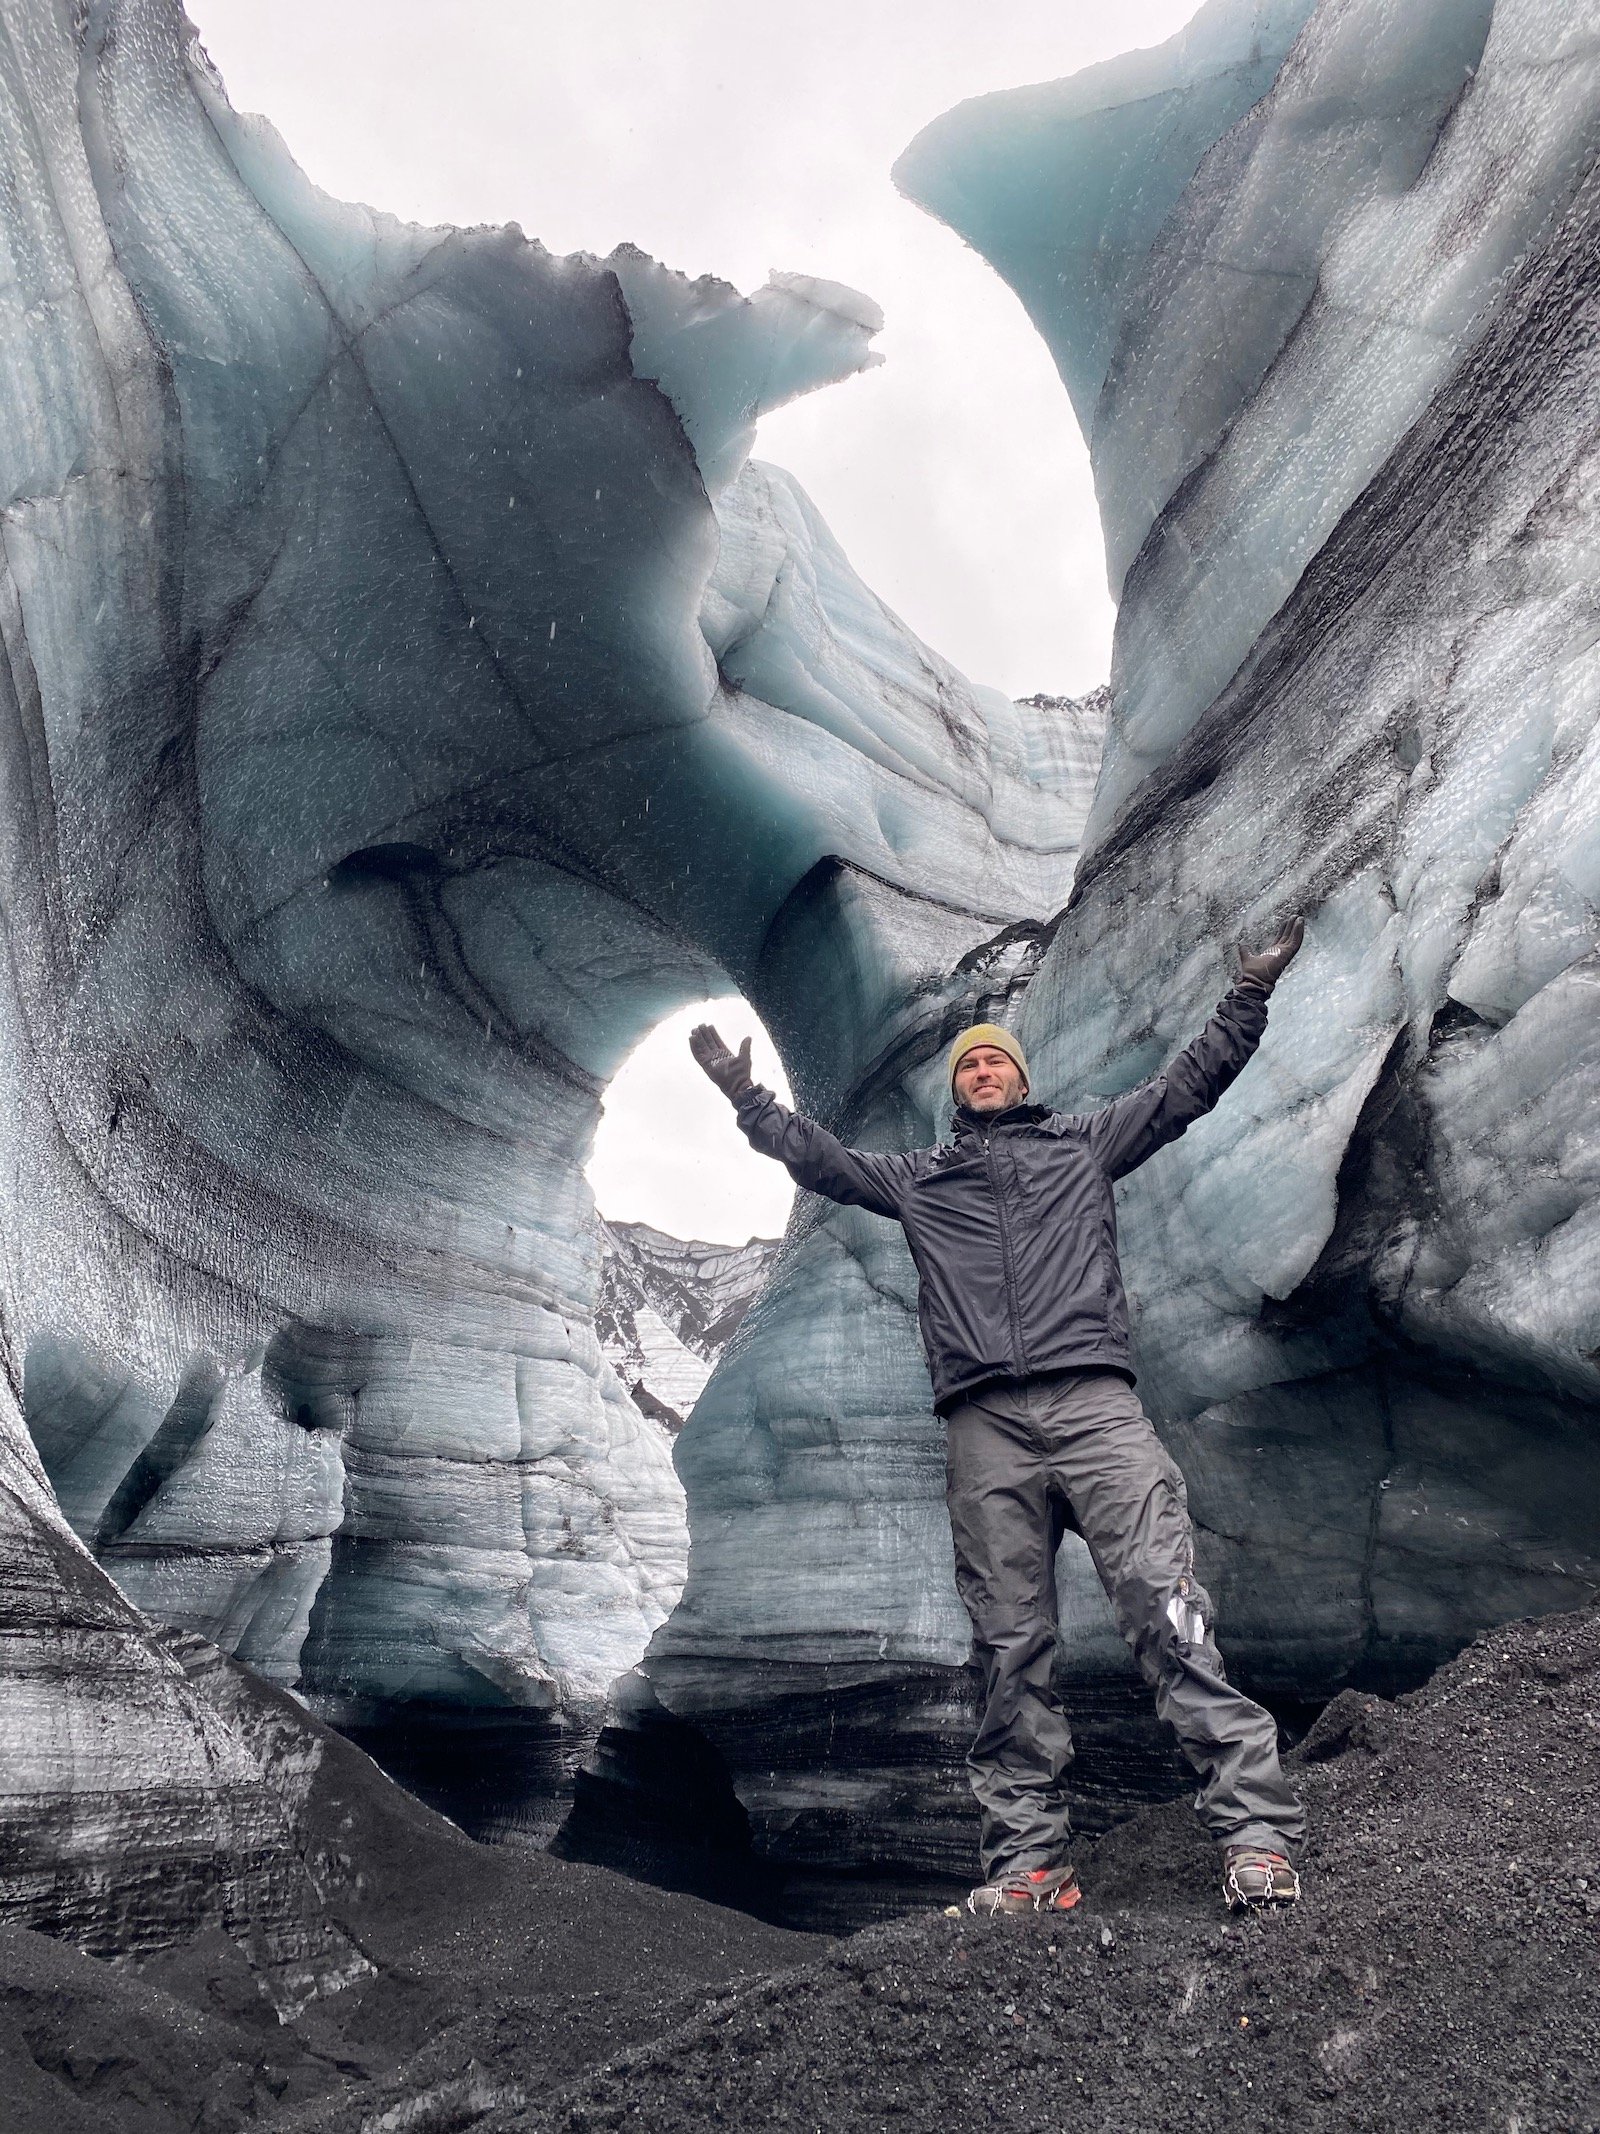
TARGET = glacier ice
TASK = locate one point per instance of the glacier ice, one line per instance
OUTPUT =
(668, 1307)
(1066, 186)
(145, 1797)
(1355, 675)
(411, 693)
(1378, 201)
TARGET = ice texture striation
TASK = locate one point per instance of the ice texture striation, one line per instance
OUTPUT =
(145, 1794)
(1367, 1307)
(411, 692)
(1065, 187)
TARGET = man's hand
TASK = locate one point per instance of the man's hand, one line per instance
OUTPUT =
(729, 1070)
(1268, 965)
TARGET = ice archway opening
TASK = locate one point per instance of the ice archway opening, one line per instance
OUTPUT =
(667, 1152)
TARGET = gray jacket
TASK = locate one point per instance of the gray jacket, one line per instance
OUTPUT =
(1012, 1222)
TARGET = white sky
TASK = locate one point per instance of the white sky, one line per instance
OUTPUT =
(668, 1151)
(733, 136)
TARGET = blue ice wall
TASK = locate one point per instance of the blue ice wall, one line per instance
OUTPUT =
(1065, 188)
(411, 689)
(1343, 448)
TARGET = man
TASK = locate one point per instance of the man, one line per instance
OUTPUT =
(1012, 1225)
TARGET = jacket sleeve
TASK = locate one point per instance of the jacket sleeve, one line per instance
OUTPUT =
(815, 1159)
(1131, 1128)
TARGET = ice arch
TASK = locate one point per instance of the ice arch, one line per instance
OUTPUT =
(411, 692)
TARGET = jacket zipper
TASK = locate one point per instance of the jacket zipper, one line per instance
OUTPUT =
(1019, 1354)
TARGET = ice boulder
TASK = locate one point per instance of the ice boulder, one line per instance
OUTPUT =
(146, 1795)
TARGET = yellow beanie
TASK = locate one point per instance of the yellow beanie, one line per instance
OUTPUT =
(987, 1034)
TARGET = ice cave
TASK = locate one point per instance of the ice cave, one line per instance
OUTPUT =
(413, 690)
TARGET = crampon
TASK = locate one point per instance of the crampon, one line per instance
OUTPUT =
(1252, 1877)
(1045, 1889)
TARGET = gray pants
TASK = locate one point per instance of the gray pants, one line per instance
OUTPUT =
(1026, 1461)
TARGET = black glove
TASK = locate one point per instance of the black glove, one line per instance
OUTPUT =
(729, 1070)
(1267, 966)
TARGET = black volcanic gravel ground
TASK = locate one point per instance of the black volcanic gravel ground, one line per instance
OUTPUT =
(483, 1957)
(1443, 1972)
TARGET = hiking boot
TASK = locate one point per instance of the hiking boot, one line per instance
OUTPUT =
(1252, 1877)
(1046, 1889)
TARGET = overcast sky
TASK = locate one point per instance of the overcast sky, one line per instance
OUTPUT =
(668, 1151)
(732, 137)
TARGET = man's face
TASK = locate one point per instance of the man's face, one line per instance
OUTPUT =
(988, 1079)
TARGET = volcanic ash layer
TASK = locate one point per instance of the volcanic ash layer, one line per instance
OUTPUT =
(1440, 1971)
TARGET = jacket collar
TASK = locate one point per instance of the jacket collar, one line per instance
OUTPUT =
(968, 1124)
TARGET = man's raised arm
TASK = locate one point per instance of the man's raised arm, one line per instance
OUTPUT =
(1132, 1128)
(814, 1158)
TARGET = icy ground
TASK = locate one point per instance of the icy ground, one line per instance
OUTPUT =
(1441, 1972)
